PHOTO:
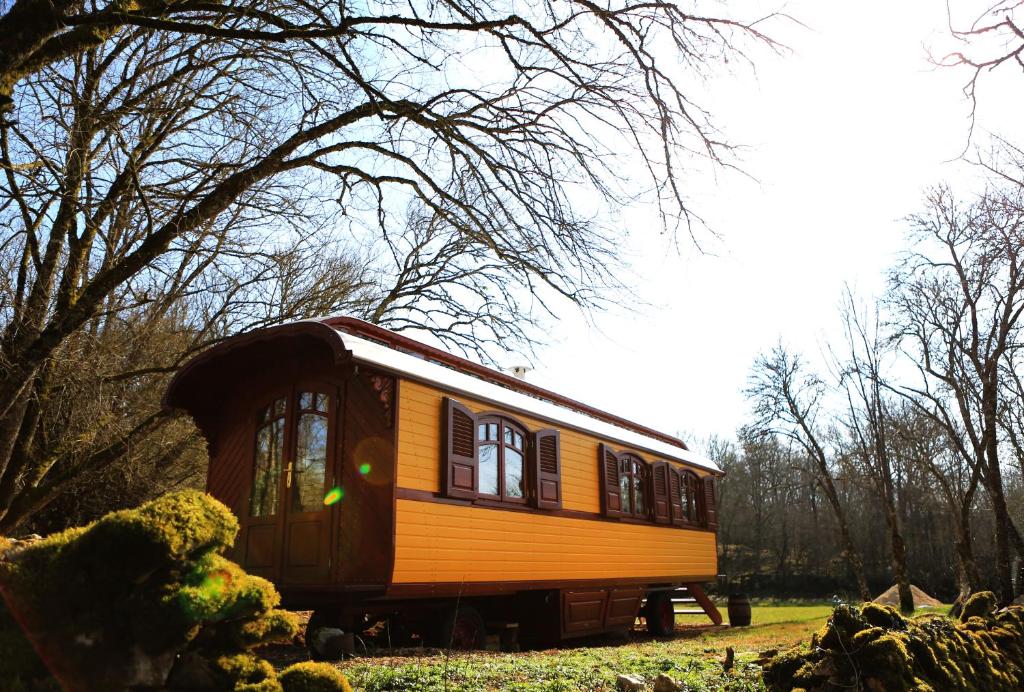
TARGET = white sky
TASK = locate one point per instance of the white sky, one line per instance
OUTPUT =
(845, 134)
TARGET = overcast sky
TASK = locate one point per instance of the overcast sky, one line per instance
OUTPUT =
(845, 133)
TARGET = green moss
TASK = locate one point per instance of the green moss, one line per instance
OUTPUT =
(981, 604)
(313, 677)
(276, 626)
(244, 668)
(883, 616)
(874, 648)
(120, 600)
(779, 672)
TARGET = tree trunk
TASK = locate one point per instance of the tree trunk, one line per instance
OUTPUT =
(994, 485)
(849, 548)
(899, 561)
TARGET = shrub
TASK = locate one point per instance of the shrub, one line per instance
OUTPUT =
(140, 598)
(313, 677)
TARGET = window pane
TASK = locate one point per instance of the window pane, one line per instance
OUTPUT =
(481, 431)
(310, 463)
(492, 431)
(513, 473)
(624, 492)
(263, 499)
(278, 407)
(640, 506)
(518, 441)
(306, 400)
(489, 469)
(322, 402)
(508, 436)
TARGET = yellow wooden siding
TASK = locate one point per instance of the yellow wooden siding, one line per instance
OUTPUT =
(437, 542)
(419, 448)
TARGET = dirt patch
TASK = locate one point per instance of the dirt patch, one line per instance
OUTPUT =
(921, 600)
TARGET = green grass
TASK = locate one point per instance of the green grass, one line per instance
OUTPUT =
(693, 657)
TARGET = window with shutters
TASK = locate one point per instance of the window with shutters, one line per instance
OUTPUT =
(460, 476)
(502, 460)
(547, 471)
(492, 458)
(634, 486)
(691, 498)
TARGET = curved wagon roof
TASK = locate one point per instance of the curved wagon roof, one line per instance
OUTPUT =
(367, 343)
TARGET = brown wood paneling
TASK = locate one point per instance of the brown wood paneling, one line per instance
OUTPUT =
(623, 606)
(367, 474)
(410, 590)
(425, 496)
(583, 611)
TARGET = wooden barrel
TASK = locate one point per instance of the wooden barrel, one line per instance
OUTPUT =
(739, 610)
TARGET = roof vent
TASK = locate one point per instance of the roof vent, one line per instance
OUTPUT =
(519, 371)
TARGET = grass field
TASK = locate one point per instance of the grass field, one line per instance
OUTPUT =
(692, 657)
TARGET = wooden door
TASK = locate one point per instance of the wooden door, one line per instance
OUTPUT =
(308, 480)
(260, 536)
(286, 535)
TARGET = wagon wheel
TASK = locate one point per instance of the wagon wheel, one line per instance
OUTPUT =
(322, 617)
(317, 620)
(460, 627)
(660, 614)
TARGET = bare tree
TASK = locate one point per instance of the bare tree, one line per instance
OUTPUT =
(993, 40)
(478, 296)
(787, 401)
(868, 425)
(957, 302)
(189, 163)
(923, 443)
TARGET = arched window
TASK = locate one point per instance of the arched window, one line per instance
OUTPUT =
(310, 470)
(268, 456)
(693, 498)
(634, 477)
(502, 459)
(305, 416)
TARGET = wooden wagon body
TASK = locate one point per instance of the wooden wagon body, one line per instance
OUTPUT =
(374, 474)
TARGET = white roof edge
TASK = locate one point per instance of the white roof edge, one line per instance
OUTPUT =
(420, 368)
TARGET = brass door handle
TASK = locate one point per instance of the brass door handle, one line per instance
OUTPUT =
(288, 476)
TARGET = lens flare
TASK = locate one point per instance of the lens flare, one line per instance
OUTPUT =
(214, 585)
(333, 495)
(364, 469)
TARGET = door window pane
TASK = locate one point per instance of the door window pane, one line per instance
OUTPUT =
(310, 468)
(513, 473)
(263, 500)
(489, 469)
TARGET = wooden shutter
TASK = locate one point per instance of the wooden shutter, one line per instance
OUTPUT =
(710, 514)
(677, 509)
(660, 497)
(608, 469)
(547, 469)
(460, 472)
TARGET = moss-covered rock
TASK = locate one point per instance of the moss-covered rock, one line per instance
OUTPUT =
(981, 604)
(123, 601)
(874, 648)
(313, 677)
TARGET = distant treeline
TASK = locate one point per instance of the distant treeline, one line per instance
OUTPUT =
(900, 458)
(778, 537)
